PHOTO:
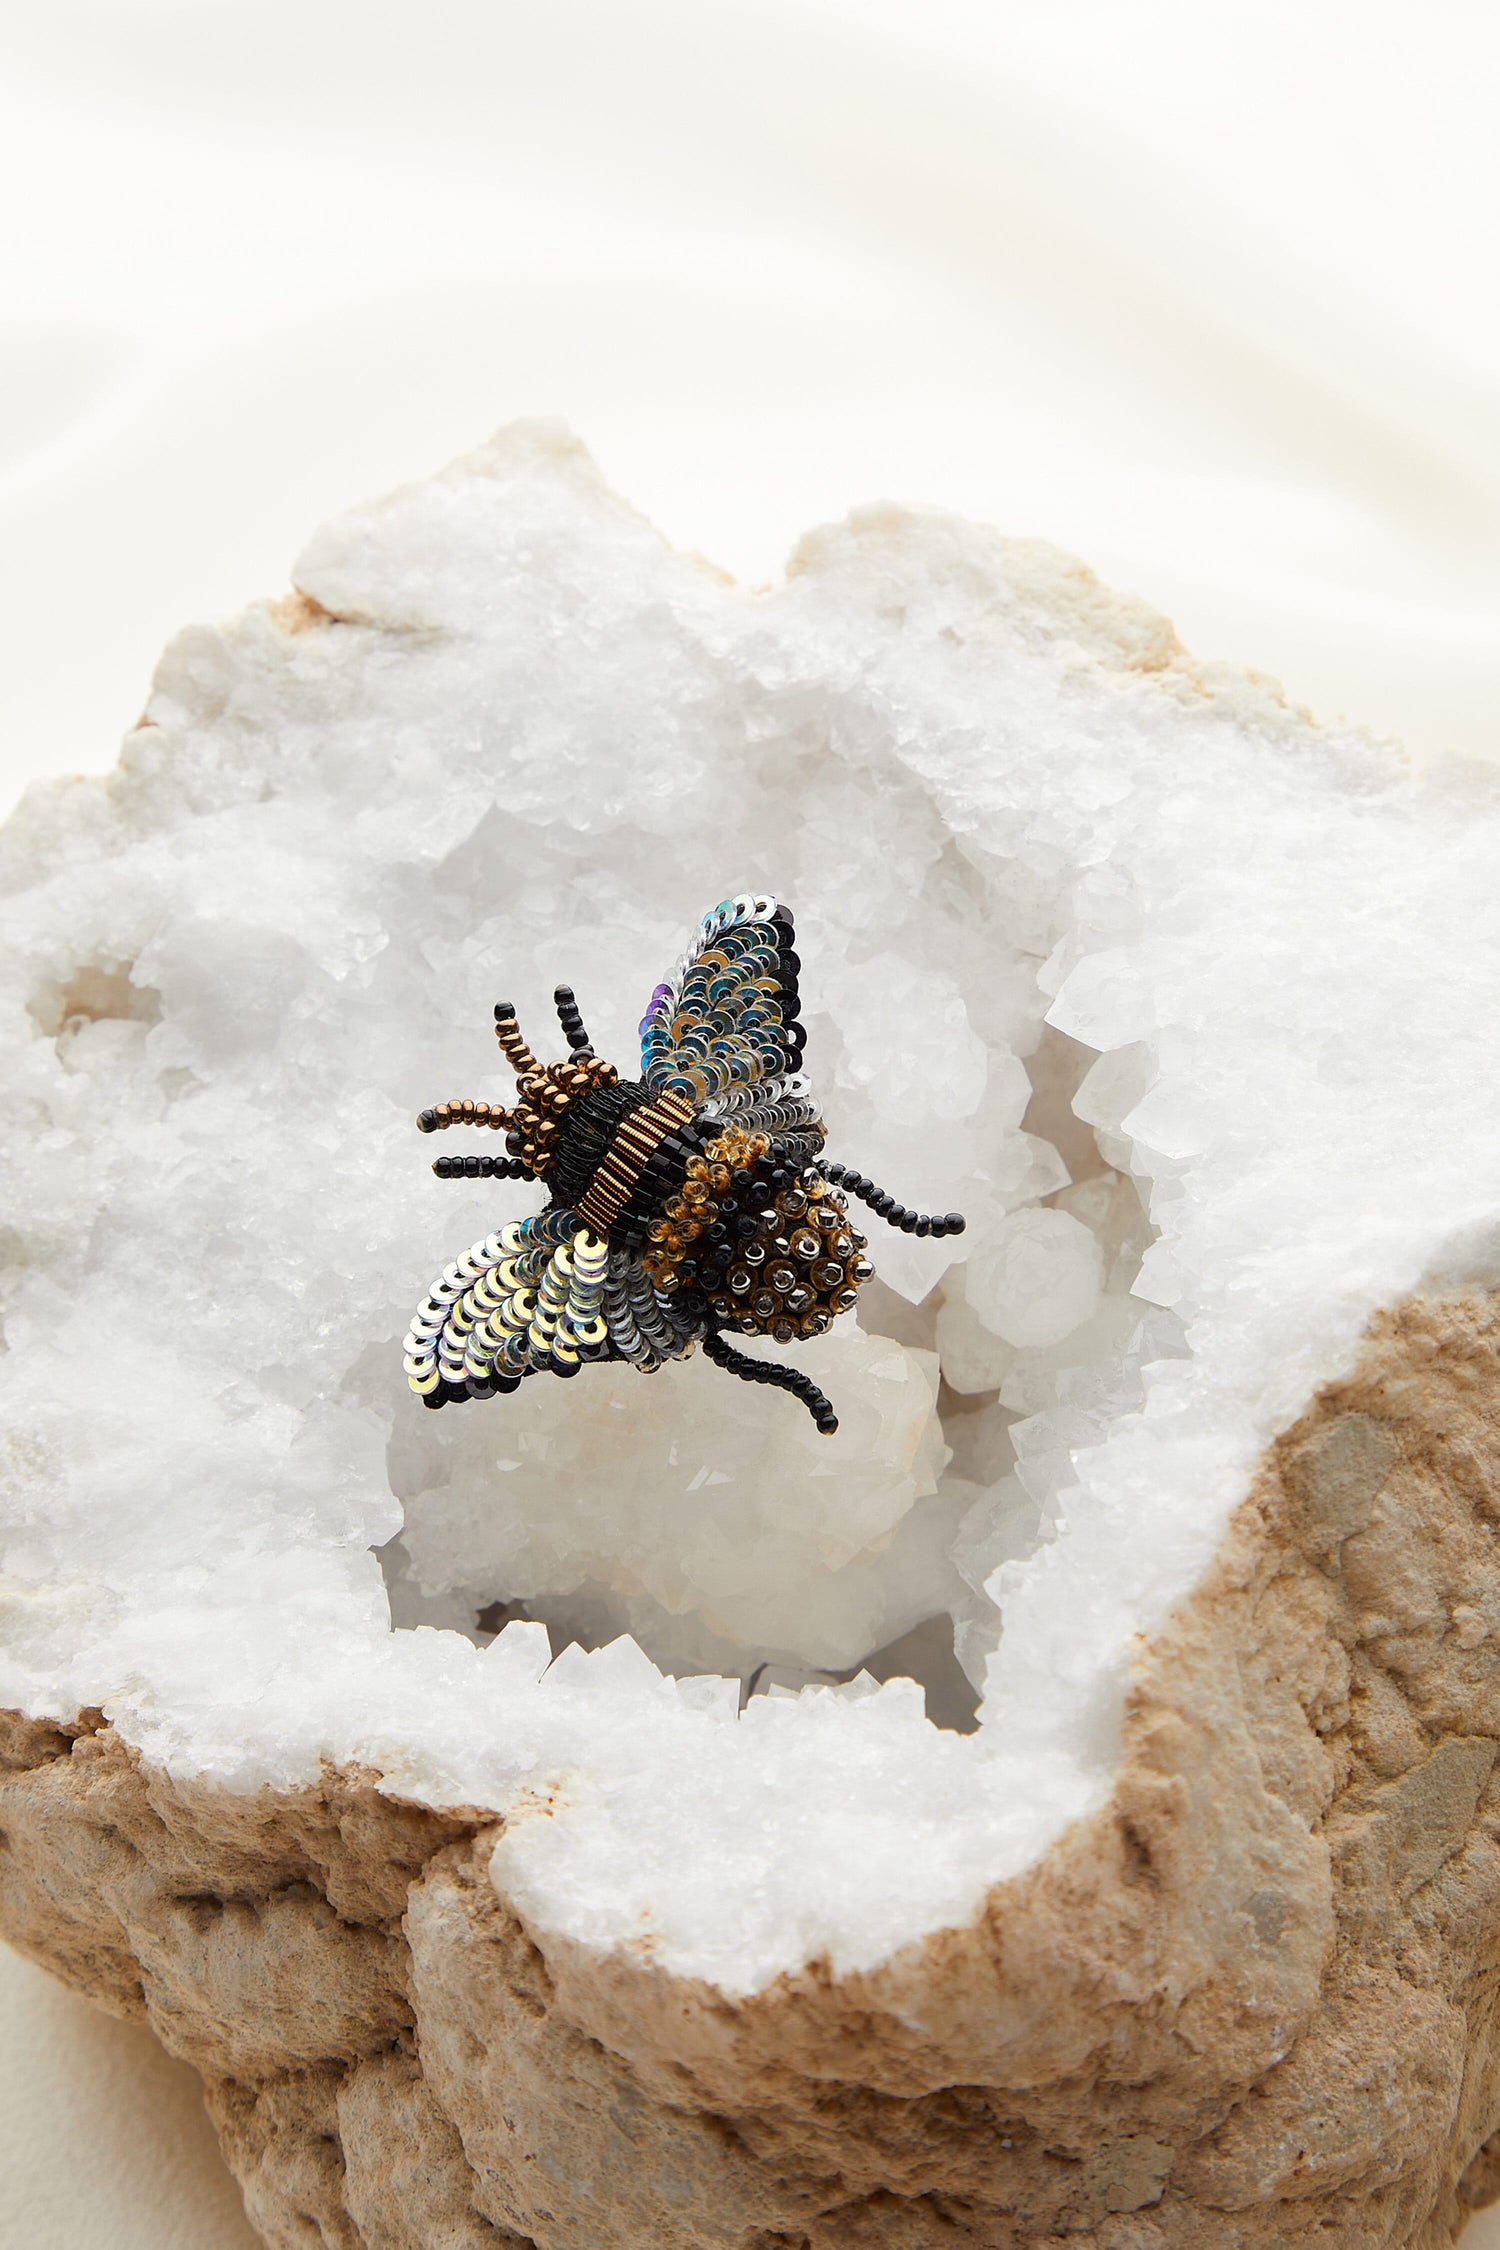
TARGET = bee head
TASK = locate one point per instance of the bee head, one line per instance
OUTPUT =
(546, 1091)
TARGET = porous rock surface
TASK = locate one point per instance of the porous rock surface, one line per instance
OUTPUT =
(1250, 2001)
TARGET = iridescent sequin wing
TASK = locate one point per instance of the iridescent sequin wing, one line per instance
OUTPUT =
(725, 1028)
(644, 1324)
(527, 1298)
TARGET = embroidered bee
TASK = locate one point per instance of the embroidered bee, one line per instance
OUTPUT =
(689, 1202)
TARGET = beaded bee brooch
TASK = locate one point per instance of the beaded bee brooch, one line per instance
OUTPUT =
(687, 1202)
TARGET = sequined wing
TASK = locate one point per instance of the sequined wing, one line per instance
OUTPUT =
(540, 1294)
(527, 1298)
(645, 1325)
(725, 1030)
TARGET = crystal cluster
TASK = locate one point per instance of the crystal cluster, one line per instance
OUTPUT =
(1157, 985)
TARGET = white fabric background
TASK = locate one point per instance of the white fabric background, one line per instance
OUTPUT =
(1205, 294)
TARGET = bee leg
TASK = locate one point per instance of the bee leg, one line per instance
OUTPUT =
(443, 1114)
(749, 1370)
(886, 1207)
(568, 1016)
(481, 1168)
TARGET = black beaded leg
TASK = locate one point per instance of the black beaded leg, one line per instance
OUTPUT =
(482, 1168)
(886, 1207)
(495, 1115)
(749, 1370)
(571, 1021)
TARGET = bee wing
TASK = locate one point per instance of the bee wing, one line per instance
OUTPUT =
(725, 1028)
(644, 1324)
(519, 1300)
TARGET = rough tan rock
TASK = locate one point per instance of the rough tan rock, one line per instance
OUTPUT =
(1250, 2002)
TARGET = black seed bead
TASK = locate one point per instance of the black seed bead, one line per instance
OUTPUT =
(923, 1225)
(504, 1008)
(908, 1222)
(427, 1121)
(471, 1167)
(433, 1399)
(955, 1222)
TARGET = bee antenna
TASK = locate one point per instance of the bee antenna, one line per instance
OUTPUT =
(749, 1370)
(568, 1016)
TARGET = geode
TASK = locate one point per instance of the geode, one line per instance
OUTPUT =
(1059, 1808)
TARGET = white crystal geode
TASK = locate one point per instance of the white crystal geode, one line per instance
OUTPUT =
(1187, 1453)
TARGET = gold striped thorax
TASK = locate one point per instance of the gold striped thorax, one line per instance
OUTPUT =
(635, 1141)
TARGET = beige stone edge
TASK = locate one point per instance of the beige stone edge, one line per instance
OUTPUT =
(1251, 2001)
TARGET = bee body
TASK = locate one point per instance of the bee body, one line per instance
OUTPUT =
(687, 1203)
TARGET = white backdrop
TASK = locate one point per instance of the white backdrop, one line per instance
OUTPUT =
(1205, 294)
